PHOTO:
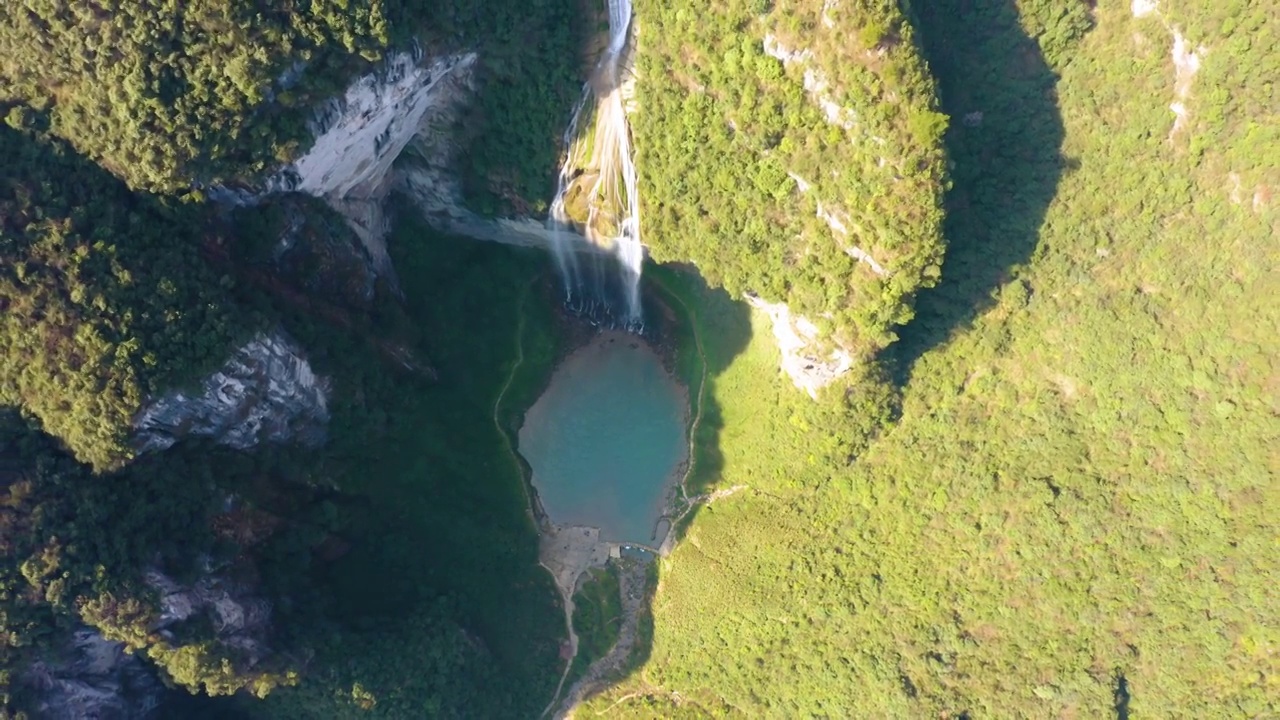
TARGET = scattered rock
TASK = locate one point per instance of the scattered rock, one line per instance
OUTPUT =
(240, 618)
(1186, 64)
(815, 83)
(1143, 8)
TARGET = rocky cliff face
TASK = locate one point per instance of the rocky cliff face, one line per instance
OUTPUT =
(92, 677)
(412, 108)
(266, 392)
(359, 137)
(407, 113)
(809, 363)
(240, 618)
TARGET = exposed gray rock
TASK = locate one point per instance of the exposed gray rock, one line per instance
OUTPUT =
(439, 198)
(240, 618)
(838, 222)
(266, 392)
(815, 83)
(412, 108)
(366, 218)
(810, 363)
(92, 678)
(360, 135)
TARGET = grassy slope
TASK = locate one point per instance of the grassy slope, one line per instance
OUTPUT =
(1071, 517)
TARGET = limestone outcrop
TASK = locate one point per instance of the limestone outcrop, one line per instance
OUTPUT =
(266, 391)
(811, 364)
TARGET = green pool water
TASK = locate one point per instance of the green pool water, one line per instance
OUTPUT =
(606, 439)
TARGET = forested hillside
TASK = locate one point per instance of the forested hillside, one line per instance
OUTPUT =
(171, 95)
(163, 92)
(407, 536)
(425, 598)
(793, 149)
(1074, 515)
(1046, 488)
(105, 299)
(75, 549)
(110, 296)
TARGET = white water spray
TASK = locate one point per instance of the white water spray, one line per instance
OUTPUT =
(596, 192)
(561, 240)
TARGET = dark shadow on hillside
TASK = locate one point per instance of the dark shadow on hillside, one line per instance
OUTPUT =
(717, 328)
(1004, 144)
(706, 324)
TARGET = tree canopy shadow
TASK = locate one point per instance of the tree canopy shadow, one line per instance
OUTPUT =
(1004, 144)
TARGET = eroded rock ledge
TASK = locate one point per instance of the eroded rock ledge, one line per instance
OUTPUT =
(267, 391)
(809, 363)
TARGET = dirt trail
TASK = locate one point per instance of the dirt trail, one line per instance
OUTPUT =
(697, 411)
(567, 552)
(497, 403)
(633, 578)
(573, 649)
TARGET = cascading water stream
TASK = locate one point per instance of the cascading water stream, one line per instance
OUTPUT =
(558, 219)
(599, 180)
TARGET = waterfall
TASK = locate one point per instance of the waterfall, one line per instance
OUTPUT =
(596, 193)
(558, 218)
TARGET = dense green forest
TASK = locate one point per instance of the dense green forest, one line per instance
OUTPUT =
(1074, 514)
(75, 545)
(110, 296)
(437, 608)
(1045, 489)
(163, 92)
(408, 536)
(105, 299)
(744, 154)
(172, 95)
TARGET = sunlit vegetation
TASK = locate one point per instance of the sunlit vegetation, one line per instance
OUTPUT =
(529, 75)
(162, 93)
(1053, 496)
(103, 298)
(110, 297)
(747, 161)
(169, 95)
(1072, 516)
